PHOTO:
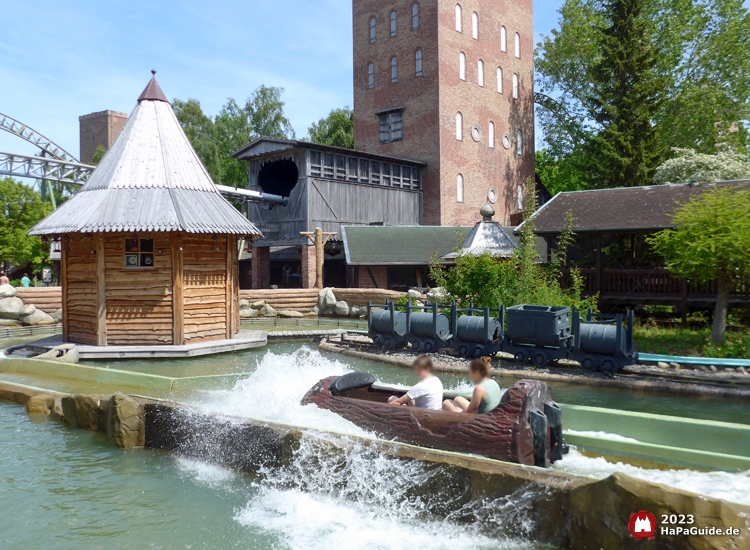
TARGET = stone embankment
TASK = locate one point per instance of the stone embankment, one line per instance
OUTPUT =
(15, 311)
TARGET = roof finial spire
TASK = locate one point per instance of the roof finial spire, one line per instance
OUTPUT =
(153, 72)
(487, 212)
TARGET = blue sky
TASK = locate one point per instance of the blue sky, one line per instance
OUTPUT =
(57, 63)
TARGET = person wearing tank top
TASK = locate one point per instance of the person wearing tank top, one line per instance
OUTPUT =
(487, 393)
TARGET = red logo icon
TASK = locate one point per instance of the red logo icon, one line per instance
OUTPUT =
(642, 525)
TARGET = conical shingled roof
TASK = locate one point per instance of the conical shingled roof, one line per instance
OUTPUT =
(150, 180)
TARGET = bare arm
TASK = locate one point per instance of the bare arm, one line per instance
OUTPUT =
(476, 399)
(401, 400)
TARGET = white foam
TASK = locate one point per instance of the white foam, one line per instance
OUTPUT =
(733, 487)
(204, 473)
(601, 435)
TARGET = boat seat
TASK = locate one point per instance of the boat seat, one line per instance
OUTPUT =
(351, 381)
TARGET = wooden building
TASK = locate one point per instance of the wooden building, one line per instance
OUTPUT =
(149, 246)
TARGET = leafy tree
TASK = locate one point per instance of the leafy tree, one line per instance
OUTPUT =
(99, 153)
(687, 166)
(21, 207)
(199, 129)
(337, 129)
(711, 242)
(562, 173)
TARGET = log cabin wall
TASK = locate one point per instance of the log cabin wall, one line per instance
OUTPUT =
(138, 299)
(79, 289)
(206, 290)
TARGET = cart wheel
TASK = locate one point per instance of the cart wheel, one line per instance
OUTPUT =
(590, 364)
(521, 357)
(464, 350)
(378, 341)
(417, 345)
(389, 342)
(540, 358)
(609, 367)
(430, 346)
(479, 351)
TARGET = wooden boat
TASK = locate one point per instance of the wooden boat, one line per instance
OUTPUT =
(525, 428)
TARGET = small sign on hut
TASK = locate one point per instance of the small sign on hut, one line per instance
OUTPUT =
(149, 246)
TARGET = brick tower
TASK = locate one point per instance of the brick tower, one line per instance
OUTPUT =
(449, 84)
(97, 129)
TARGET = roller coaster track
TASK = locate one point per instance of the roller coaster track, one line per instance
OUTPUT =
(44, 168)
(19, 129)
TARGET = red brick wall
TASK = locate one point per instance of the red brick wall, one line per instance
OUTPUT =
(432, 101)
(380, 274)
(308, 267)
(261, 267)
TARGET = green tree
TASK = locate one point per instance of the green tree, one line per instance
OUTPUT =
(561, 173)
(337, 129)
(99, 153)
(21, 207)
(711, 242)
(687, 166)
(199, 129)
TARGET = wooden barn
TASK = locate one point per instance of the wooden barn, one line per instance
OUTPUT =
(149, 246)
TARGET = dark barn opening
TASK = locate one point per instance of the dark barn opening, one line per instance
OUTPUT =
(278, 177)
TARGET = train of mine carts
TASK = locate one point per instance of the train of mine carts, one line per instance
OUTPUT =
(531, 333)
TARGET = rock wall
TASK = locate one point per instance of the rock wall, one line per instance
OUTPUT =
(14, 311)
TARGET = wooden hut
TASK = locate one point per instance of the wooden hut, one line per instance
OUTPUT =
(149, 246)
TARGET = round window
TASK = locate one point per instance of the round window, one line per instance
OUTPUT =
(476, 132)
(492, 195)
(506, 140)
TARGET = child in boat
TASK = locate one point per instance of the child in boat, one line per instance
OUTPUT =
(487, 393)
(428, 393)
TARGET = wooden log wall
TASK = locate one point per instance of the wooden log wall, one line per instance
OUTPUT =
(206, 290)
(46, 298)
(138, 301)
(80, 320)
(304, 299)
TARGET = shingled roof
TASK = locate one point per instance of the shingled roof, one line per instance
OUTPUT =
(150, 180)
(623, 209)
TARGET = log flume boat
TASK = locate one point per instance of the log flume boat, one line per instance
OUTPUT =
(525, 428)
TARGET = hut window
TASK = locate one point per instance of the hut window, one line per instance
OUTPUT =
(139, 252)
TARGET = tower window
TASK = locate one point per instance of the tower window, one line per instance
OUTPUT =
(459, 127)
(491, 135)
(515, 86)
(394, 69)
(460, 188)
(519, 143)
(418, 62)
(480, 73)
(391, 126)
(517, 45)
(371, 75)
(462, 66)
(475, 26)
(393, 23)
(499, 80)
(503, 39)
(373, 30)
(459, 15)
(414, 17)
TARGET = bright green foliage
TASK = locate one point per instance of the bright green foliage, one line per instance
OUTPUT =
(99, 153)
(486, 281)
(21, 208)
(687, 166)
(560, 174)
(690, 342)
(337, 129)
(235, 126)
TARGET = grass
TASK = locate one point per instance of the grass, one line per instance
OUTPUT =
(649, 338)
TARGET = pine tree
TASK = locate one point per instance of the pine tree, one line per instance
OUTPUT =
(626, 98)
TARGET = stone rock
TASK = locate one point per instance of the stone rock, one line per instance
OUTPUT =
(728, 369)
(58, 315)
(125, 422)
(245, 304)
(414, 294)
(326, 300)
(37, 317)
(28, 309)
(249, 313)
(713, 368)
(662, 365)
(315, 310)
(9, 323)
(11, 308)
(311, 315)
(675, 365)
(260, 304)
(7, 291)
(41, 404)
(437, 295)
(57, 410)
(356, 311)
(741, 370)
(86, 412)
(65, 353)
(289, 314)
(341, 308)
(267, 311)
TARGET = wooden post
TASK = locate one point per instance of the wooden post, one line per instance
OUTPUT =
(599, 265)
(101, 292)
(230, 299)
(178, 292)
(64, 284)
(317, 239)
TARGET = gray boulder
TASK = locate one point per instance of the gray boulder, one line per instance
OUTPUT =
(414, 294)
(58, 315)
(7, 291)
(341, 308)
(87, 412)
(258, 305)
(249, 313)
(37, 317)
(315, 310)
(437, 295)
(326, 300)
(8, 323)
(245, 304)
(267, 311)
(41, 404)
(28, 309)
(125, 422)
(11, 308)
(289, 314)
(357, 311)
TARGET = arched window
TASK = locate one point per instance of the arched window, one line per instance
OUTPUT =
(480, 73)
(517, 44)
(491, 135)
(459, 127)
(459, 15)
(371, 75)
(460, 188)
(519, 194)
(462, 66)
(373, 30)
(415, 16)
(499, 80)
(519, 143)
(393, 23)
(503, 39)
(515, 86)
(475, 25)
(418, 62)
(394, 69)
